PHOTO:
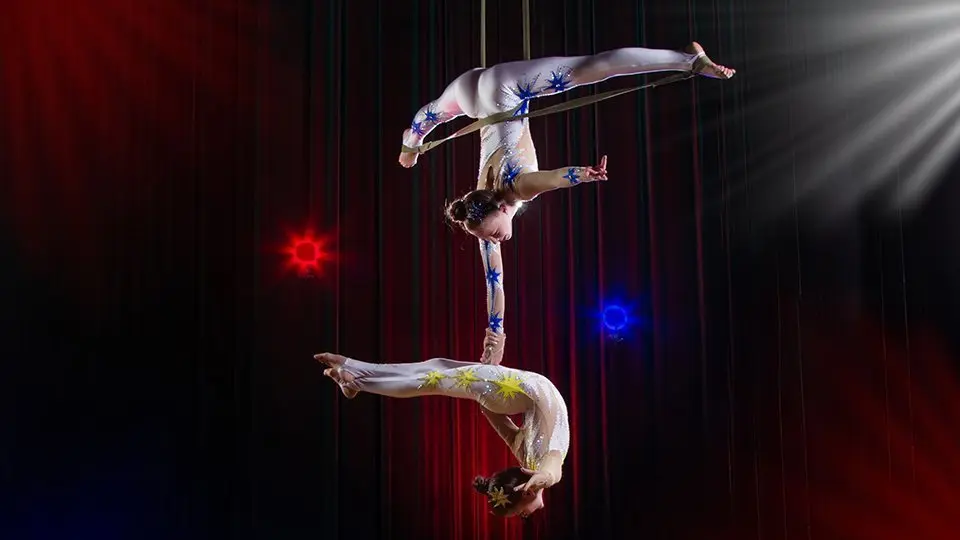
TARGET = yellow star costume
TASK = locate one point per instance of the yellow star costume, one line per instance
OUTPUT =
(432, 379)
(499, 389)
(508, 385)
(465, 378)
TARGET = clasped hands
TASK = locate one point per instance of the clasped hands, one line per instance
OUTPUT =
(493, 345)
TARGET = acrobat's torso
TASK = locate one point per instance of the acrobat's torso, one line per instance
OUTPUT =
(546, 426)
(506, 150)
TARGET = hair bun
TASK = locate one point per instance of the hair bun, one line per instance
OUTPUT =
(482, 484)
(457, 211)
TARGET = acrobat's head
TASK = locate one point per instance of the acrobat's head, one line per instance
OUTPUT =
(483, 213)
(502, 499)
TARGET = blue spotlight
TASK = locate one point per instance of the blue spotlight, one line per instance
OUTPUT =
(615, 318)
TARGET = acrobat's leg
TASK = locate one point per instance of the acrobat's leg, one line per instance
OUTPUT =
(398, 380)
(495, 387)
(458, 99)
(527, 79)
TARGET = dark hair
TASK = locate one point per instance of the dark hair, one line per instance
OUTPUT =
(504, 480)
(470, 209)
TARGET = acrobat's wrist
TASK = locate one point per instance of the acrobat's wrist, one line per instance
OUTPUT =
(575, 175)
(550, 480)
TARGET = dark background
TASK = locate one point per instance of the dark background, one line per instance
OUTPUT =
(788, 369)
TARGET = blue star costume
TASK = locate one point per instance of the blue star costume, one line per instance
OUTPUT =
(506, 148)
(493, 269)
(572, 175)
(510, 172)
(525, 93)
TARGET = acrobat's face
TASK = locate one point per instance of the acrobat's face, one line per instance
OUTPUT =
(496, 227)
(529, 504)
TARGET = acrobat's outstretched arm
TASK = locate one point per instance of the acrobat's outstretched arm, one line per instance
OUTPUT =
(493, 274)
(448, 106)
(528, 185)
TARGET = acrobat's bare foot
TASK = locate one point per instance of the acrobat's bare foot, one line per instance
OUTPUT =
(330, 359)
(408, 159)
(341, 376)
(703, 65)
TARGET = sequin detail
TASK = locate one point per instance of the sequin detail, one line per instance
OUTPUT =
(546, 427)
(476, 211)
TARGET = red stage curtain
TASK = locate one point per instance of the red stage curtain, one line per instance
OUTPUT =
(158, 157)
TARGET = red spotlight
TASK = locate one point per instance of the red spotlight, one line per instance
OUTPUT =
(306, 252)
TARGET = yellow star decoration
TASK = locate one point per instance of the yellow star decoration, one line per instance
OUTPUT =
(465, 378)
(498, 497)
(508, 386)
(432, 379)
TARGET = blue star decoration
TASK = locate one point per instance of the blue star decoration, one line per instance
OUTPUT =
(493, 277)
(510, 172)
(495, 321)
(525, 93)
(431, 116)
(417, 128)
(572, 176)
(559, 81)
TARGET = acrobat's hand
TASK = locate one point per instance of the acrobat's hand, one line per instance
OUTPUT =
(538, 480)
(493, 345)
(599, 172)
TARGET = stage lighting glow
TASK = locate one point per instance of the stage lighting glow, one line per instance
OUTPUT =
(615, 318)
(305, 254)
(862, 131)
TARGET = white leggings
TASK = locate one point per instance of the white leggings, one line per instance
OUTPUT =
(442, 377)
(481, 92)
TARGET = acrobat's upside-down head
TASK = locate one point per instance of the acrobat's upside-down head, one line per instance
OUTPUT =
(504, 501)
(483, 213)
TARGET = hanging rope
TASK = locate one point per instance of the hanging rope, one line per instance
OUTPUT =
(566, 106)
(483, 33)
(526, 29)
